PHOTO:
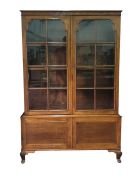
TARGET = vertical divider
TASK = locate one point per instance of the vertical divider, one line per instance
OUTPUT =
(67, 65)
(95, 79)
(72, 68)
(47, 65)
(71, 76)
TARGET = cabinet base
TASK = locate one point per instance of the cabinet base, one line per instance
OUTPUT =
(93, 132)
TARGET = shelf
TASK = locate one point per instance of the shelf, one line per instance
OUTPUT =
(57, 88)
(37, 68)
(46, 43)
(39, 88)
(94, 66)
(56, 68)
(96, 88)
(51, 88)
(94, 43)
(44, 67)
(85, 88)
(105, 66)
(65, 66)
(84, 67)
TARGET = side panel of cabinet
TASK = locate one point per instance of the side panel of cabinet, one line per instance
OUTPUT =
(46, 133)
(96, 133)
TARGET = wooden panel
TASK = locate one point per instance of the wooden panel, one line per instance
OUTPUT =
(96, 133)
(46, 133)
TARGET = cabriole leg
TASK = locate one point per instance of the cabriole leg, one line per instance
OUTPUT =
(118, 154)
(22, 155)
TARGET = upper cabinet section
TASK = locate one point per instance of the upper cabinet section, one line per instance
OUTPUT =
(71, 61)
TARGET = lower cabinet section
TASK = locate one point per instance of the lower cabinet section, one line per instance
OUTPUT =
(96, 133)
(46, 133)
(73, 132)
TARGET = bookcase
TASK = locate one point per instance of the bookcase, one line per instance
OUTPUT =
(71, 81)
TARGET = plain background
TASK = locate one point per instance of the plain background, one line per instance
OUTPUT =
(11, 95)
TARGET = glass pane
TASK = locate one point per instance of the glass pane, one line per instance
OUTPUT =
(86, 31)
(37, 99)
(105, 77)
(57, 55)
(105, 99)
(105, 30)
(36, 31)
(37, 78)
(84, 99)
(85, 55)
(105, 55)
(57, 78)
(95, 31)
(84, 78)
(57, 99)
(56, 31)
(36, 55)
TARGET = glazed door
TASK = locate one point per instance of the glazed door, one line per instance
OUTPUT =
(94, 45)
(48, 64)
